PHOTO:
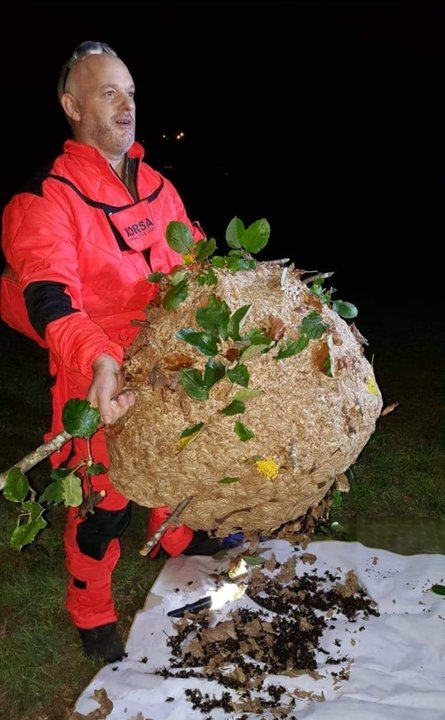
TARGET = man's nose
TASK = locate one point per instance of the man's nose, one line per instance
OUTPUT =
(127, 102)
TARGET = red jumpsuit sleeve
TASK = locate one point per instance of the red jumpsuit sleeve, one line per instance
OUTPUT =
(39, 242)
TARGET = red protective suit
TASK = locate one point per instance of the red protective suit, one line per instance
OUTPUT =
(82, 248)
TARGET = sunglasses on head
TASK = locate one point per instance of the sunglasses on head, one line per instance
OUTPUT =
(89, 47)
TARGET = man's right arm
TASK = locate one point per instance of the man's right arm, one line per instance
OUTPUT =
(39, 242)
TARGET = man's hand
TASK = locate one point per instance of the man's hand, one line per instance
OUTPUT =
(105, 391)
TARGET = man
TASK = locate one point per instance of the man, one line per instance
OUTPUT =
(81, 241)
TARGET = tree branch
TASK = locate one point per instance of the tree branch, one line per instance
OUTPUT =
(40, 453)
(149, 545)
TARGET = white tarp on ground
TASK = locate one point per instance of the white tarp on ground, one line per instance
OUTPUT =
(398, 660)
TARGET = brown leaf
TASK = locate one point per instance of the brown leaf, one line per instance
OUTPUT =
(232, 354)
(271, 563)
(349, 587)
(320, 353)
(238, 675)
(254, 628)
(313, 301)
(357, 334)
(287, 570)
(342, 483)
(389, 409)
(336, 337)
(157, 378)
(221, 632)
(275, 328)
(105, 709)
(177, 361)
(304, 624)
(254, 705)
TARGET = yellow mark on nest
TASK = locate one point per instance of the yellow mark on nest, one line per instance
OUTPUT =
(268, 467)
(372, 386)
(188, 259)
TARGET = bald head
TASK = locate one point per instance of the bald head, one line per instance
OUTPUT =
(98, 100)
(92, 71)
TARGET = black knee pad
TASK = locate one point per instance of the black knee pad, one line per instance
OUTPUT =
(96, 532)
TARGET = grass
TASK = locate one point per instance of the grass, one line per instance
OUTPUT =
(398, 475)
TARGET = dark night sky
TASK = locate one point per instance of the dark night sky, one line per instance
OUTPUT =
(324, 117)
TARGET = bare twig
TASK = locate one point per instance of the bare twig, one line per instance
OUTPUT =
(149, 545)
(34, 457)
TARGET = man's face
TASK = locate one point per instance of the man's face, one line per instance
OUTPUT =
(106, 118)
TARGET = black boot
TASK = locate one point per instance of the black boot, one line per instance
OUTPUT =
(103, 642)
(202, 544)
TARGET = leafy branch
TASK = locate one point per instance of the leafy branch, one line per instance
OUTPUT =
(198, 261)
(79, 419)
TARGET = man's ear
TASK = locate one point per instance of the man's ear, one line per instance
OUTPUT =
(70, 106)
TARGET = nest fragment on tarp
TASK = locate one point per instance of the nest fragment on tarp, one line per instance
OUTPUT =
(312, 416)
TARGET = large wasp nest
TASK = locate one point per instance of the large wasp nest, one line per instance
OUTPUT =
(301, 423)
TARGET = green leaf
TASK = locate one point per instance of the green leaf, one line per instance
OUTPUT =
(53, 493)
(67, 487)
(206, 277)
(214, 317)
(256, 336)
(292, 347)
(179, 276)
(16, 486)
(179, 237)
(191, 381)
(80, 419)
(213, 373)
(345, 309)
(247, 394)
(156, 277)
(252, 350)
(235, 263)
(239, 375)
(25, 534)
(229, 480)
(207, 344)
(253, 560)
(34, 509)
(313, 326)
(243, 432)
(234, 233)
(60, 473)
(204, 248)
(236, 407)
(176, 295)
(72, 490)
(192, 430)
(256, 236)
(236, 321)
(438, 589)
(97, 469)
(337, 499)
(218, 261)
